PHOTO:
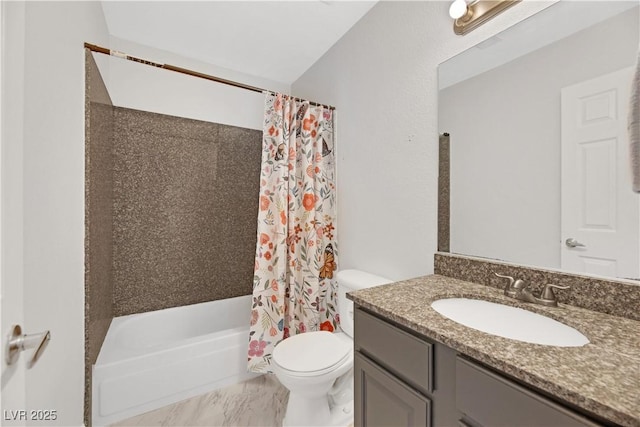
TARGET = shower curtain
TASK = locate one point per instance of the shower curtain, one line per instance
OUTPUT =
(294, 289)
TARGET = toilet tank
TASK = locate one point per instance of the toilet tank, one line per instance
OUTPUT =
(353, 280)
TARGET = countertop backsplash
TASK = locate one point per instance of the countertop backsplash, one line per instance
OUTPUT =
(614, 297)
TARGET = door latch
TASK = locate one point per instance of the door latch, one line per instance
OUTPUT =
(18, 342)
(573, 243)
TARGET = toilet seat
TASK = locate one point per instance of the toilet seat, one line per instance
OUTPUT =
(311, 353)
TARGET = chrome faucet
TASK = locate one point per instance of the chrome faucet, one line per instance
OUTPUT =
(519, 290)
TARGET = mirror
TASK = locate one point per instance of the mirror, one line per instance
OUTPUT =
(537, 117)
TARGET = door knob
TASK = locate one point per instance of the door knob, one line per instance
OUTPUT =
(573, 243)
(17, 342)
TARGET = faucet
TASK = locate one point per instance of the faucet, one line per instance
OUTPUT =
(548, 297)
(519, 290)
(510, 290)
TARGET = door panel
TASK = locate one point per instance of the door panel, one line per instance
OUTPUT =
(11, 133)
(599, 209)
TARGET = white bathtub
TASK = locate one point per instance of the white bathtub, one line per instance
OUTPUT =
(150, 360)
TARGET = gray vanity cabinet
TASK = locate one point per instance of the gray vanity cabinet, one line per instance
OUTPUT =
(485, 398)
(401, 379)
(384, 400)
(395, 380)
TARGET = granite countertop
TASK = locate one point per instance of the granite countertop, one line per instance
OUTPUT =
(602, 377)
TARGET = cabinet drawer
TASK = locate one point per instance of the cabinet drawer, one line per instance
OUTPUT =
(492, 400)
(383, 400)
(405, 355)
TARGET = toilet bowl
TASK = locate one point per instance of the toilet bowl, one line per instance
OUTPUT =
(317, 367)
(308, 365)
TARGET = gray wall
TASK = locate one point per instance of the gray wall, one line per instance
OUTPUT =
(505, 179)
(99, 123)
(185, 211)
(382, 77)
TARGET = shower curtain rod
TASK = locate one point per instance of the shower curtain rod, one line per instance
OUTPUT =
(98, 49)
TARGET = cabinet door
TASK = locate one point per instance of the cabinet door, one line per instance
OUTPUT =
(492, 400)
(383, 400)
(406, 356)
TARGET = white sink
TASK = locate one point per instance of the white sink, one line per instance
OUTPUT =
(509, 322)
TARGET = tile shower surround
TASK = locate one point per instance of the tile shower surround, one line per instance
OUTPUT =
(185, 206)
(99, 122)
(170, 212)
(444, 188)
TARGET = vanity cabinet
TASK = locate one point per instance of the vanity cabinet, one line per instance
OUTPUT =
(384, 400)
(485, 398)
(402, 379)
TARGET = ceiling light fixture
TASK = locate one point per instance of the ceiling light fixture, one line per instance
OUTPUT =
(458, 9)
(469, 16)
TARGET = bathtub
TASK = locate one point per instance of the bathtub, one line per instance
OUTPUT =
(153, 359)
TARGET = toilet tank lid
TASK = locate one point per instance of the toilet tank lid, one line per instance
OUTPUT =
(356, 279)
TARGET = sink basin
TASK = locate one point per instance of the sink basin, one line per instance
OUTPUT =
(509, 322)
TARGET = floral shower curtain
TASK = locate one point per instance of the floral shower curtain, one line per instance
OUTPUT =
(294, 289)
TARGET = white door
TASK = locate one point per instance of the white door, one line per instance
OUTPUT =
(600, 212)
(13, 392)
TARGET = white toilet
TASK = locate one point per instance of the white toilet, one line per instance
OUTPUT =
(316, 367)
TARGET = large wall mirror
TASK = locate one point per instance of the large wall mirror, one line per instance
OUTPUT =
(537, 117)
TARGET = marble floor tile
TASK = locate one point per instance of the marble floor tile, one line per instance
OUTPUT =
(258, 402)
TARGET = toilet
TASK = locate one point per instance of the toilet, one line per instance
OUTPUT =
(317, 367)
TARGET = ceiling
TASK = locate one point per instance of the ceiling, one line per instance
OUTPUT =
(276, 40)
